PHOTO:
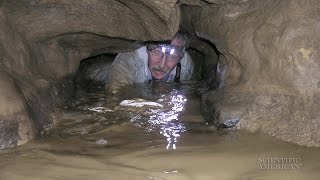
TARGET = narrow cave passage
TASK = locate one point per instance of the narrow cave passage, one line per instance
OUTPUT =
(92, 77)
(168, 108)
(93, 71)
(157, 130)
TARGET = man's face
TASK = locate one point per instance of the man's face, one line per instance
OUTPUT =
(163, 59)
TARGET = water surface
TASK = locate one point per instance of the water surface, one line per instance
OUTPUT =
(99, 139)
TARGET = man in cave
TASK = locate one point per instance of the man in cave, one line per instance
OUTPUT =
(161, 61)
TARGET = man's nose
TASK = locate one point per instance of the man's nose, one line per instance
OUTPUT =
(163, 61)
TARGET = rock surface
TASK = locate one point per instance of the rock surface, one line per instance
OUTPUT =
(271, 73)
(43, 42)
(267, 75)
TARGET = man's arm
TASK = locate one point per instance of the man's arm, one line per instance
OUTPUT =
(120, 73)
(186, 67)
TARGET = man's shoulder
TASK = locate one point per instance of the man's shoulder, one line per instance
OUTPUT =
(133, 62)
(135, 55)
(187, 60)
(186, 67)
(140, 51)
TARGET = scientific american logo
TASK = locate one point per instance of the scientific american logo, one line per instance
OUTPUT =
(279, 163)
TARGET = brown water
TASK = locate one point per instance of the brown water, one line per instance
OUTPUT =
(98, 139)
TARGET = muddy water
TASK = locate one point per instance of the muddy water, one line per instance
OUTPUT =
(99, 139)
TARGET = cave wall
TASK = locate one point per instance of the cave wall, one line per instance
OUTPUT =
(204, 69)
(268, 58)
(271, 67)
(43, 42)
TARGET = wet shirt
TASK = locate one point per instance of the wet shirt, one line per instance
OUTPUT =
(132, 67)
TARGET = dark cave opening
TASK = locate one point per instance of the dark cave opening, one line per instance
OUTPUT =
(93, 71)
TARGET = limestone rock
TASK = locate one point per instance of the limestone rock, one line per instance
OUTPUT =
(272, 66)
(16, 125)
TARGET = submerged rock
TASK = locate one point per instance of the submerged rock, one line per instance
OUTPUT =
(139, 103)
(101, 142)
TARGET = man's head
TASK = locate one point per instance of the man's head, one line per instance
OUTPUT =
(163, 57)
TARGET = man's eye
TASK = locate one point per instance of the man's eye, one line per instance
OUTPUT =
(174, 57)
(157, 52)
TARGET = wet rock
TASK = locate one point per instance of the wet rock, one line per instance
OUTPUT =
(271, 57)
(283, 114)
(140, 103)
(225, 109)
(16, 127)
(101, 142)
(99, 109)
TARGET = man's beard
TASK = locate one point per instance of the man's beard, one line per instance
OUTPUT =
(162, 70)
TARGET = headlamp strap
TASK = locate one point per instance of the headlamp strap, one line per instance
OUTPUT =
(178, 71)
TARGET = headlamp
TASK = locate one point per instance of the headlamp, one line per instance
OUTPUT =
(167, 49)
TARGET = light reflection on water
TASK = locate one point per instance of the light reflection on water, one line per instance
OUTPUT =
(108, 110)
(169, 123)
(165, 121)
